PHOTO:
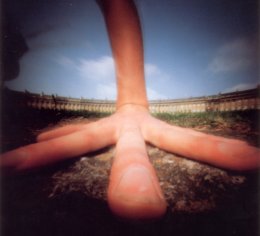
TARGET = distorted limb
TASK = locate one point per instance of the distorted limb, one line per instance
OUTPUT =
(134, 190)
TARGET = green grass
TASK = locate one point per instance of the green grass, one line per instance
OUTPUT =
(212, 119)
(18, 126)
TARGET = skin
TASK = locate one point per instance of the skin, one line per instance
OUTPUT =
(134, 191)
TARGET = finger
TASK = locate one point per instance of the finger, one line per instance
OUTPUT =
(222, 152)
(61, 131)
(50, 151)
(134, 191)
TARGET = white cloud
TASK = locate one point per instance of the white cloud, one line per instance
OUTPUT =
(65, 61)
(101, 72)
(241, 87)
(106, 91)
(155, 76)
(154, 72)
(233, 56)
(101, 69)
(151, 70)
(154, 95)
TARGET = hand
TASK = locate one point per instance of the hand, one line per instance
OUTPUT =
(134, 190)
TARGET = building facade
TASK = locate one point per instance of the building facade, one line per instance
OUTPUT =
(234, 101)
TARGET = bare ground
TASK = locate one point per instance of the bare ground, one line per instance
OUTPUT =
(70, 197)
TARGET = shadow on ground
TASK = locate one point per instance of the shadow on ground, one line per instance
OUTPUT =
(70, 197)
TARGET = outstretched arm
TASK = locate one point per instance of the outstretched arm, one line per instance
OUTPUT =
(134, 190)
(125, 36)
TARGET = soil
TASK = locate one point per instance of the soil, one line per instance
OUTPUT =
(69, 198)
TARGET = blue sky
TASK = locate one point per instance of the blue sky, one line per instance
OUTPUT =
(192, 48)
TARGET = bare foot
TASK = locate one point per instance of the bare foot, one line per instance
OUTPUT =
(134, 191)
